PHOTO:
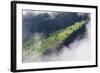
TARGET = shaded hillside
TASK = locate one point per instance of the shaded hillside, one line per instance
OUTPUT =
(48, 23)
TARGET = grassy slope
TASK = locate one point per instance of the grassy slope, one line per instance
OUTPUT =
(39, 46)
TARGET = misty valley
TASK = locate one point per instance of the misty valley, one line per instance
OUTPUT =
(47, 35)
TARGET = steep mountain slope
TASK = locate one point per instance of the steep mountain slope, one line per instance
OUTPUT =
(39, 45)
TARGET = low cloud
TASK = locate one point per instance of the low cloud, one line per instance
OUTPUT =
(78, 50)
